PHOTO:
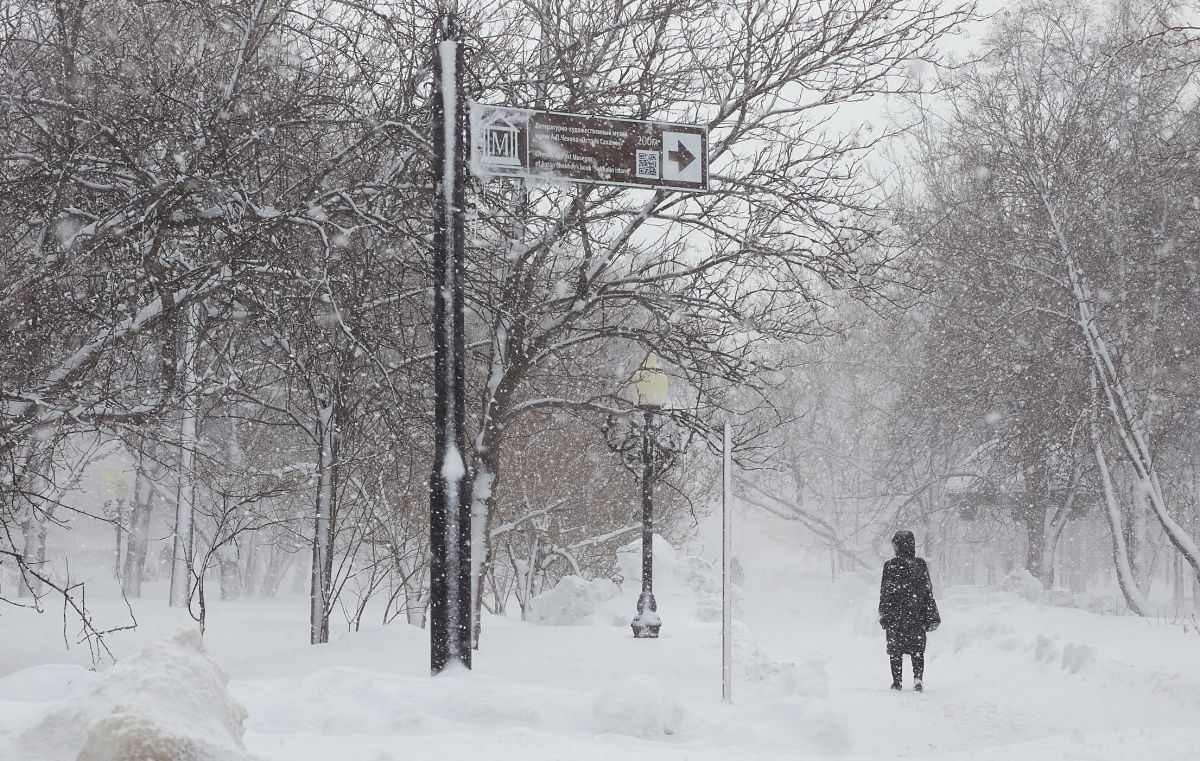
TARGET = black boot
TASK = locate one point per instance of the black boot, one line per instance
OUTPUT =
(897, 670)
(918, 661)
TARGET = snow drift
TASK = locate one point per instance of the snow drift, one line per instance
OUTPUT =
(575, 601)
(168, 703)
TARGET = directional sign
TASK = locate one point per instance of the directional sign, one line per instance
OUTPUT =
(550, 145)
(683, 151)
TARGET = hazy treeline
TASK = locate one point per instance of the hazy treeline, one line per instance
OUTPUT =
(214, 271)
(1037, 408)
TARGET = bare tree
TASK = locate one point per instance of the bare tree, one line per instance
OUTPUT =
(709, 282)
(1066, 220)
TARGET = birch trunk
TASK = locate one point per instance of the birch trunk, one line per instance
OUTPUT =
(181, 554)
(34, 551)
(278, 563)
(144, 498)
(1128, 423)
(39, 508)
(230, 573)
(416, 605)
(486, 468)
(487, 471)
(1056, 522)
(1052, 528)
(250, 562)
(322, 554)
(226, 551)
(1134, 598)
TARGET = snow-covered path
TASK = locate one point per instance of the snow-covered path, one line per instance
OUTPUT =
(1006, 678)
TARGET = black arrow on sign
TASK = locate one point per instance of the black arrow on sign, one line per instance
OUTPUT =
(681, 156)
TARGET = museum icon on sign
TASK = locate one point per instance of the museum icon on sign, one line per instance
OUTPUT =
(501, 144)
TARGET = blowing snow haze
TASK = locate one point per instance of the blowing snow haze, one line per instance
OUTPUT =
(345, 344)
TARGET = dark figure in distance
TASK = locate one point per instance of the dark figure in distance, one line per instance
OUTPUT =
(907, 609)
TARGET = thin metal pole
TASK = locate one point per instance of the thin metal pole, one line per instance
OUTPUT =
(449, 485)
(726, 566)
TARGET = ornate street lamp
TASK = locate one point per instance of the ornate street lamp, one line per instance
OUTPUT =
(647, 450)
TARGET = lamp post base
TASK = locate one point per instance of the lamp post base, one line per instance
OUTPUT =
(643, 630)
(646, 623)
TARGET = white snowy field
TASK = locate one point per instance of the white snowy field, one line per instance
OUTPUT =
(1006, 678)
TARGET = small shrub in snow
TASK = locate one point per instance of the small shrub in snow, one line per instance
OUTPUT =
(638, 705)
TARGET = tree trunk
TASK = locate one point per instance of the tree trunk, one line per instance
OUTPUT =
(1177, 582)
(181, 554)
(416, 606)
(230, 572)
(1034, 512)
(321, 589)
(278, 563)
(249, 562)
(1056, 521)
(139, 527)
(486, 474)
(40, 501)
(1121, 559)
(34, 551)
(1127, 422)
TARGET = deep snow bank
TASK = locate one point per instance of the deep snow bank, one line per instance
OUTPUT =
(168, 703)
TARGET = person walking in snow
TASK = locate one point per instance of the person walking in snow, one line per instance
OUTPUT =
(907, 609)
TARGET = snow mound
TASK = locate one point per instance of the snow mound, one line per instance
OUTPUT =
(1072, 657)
(575, 600)
(1025, 584)
(1077, 656)
(638, 705)
(629, 560)
(168, 703)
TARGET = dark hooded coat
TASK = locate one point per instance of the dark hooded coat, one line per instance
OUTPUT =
(907, 609)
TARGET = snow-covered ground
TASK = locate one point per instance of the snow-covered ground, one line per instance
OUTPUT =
(1006, 678)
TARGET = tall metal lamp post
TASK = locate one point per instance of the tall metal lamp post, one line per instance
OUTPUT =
(647, 450)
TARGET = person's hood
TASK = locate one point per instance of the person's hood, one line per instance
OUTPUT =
(905, 544)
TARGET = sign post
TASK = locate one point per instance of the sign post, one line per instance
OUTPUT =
(449, 486)
(603, 150)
